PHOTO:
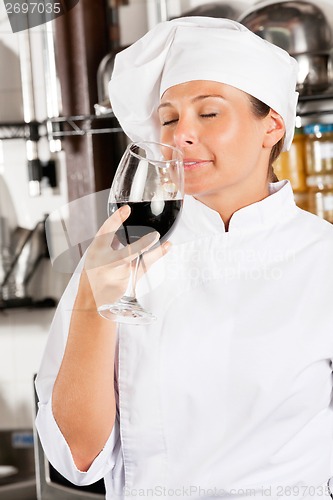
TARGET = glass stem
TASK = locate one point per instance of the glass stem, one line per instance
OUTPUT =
(130, 291)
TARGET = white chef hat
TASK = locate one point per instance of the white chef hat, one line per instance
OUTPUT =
(199, 48)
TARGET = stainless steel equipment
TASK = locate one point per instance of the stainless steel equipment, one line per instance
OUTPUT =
(214, 9)
(300, 28)
(27, 247)
(4, 248)
(17, 466)
(104, 72)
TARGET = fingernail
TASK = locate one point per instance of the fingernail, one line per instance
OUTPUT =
(124, 209)
(155, 235)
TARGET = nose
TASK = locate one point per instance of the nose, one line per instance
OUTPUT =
(185, 133)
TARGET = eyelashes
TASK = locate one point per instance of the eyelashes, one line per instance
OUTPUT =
(174, 120)
(169, 122)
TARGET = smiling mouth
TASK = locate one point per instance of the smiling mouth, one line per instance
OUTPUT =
(193, 164)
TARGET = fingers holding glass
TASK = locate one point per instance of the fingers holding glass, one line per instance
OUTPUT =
(109, 269)
(149, 179)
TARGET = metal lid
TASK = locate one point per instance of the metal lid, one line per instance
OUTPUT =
(296, 26)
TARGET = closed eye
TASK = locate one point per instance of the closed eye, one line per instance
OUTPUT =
(174, 120)
(169, 122)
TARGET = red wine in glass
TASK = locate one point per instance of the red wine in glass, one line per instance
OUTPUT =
(150, 179)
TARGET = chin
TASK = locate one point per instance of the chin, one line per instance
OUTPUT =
(196, 189)
(201, 191)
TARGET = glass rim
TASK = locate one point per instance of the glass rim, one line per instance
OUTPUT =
(153, 160)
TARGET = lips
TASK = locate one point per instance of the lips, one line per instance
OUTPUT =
(192, 164)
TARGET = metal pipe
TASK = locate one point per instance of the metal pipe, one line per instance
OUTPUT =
(29, 107)
(162, 10)
(157, 12)
(53, 95)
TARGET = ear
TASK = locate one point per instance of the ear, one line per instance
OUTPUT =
(275, 129)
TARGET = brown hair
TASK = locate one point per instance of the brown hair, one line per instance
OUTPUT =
(261, 110)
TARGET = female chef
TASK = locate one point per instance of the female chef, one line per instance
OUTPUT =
(227, 395)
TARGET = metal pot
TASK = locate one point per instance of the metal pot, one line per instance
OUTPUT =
(314, 73)
(4, 248)
(214, 9)
(28, 247)
(300, 28)
(104, 73)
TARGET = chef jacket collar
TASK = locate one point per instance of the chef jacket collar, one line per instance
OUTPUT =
(278, 205)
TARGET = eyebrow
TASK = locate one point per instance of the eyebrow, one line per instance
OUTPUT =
(195, 99)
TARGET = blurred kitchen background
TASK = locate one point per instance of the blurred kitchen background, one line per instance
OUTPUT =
(60, 142)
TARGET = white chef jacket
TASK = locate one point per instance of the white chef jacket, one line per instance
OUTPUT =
(227, 395)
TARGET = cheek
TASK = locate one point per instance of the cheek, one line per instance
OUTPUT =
(165, 134)
(226, 140)
(238, 138)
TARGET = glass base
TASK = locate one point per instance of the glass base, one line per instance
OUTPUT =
(126, 310)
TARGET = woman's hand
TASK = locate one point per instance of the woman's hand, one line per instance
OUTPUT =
(108, 269)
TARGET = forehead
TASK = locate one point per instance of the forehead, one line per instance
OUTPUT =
(204, 88)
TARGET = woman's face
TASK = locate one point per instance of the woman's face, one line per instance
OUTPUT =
(222, 141)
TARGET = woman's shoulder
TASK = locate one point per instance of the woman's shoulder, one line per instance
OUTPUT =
(312, 229)
(315, 222)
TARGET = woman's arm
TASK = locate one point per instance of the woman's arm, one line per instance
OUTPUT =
(83, 400)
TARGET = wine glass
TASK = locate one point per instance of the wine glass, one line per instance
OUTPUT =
(150, 179)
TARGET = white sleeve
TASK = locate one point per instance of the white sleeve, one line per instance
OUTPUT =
(53, 442)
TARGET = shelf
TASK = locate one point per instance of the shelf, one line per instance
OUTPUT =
(27, 303)
(19, 130)
(308, 104)
(60, 127)
(325, 96)
(317, 112)
(80, 125)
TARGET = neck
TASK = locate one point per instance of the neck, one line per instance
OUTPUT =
(231, 199)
